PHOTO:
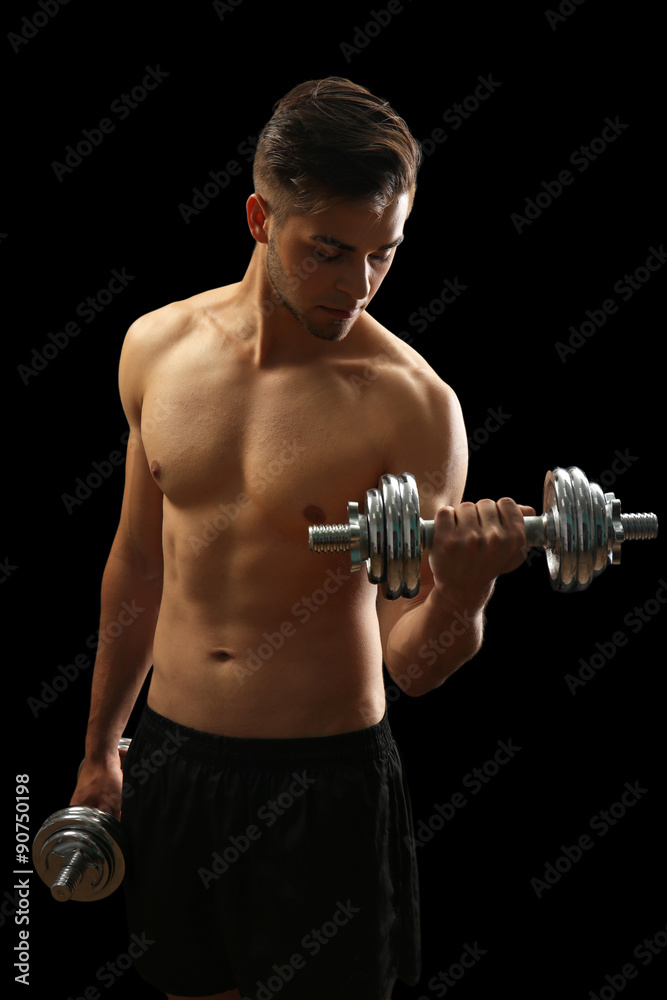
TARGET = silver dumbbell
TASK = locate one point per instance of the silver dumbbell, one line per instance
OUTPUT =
(79, 852)
(581, 528)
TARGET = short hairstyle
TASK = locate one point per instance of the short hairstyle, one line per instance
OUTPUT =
(331, 140)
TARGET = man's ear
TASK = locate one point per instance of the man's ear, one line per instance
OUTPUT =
(257, 215)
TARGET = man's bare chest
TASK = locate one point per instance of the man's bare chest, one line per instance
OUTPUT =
(294, 442)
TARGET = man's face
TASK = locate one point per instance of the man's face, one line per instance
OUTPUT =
(326, 268)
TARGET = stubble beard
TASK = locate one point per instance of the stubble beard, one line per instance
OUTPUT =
(280, 283)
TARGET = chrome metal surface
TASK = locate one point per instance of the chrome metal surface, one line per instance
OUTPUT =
(583, 514)
(391, 498)
(412, 551)
(80, 854)
(375, 563)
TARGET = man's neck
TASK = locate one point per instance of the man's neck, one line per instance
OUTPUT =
(279, 336)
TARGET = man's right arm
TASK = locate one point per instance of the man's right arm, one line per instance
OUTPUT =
(133, 576)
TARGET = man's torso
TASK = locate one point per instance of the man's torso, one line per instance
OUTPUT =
(256, 635)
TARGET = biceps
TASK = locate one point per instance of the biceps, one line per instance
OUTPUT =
(432, 445)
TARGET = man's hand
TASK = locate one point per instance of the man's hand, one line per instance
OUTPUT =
(100, 786)
(473, 545)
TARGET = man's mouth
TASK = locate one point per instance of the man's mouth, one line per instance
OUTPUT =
(341, 313)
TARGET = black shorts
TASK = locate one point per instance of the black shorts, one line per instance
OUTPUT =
(280, 867)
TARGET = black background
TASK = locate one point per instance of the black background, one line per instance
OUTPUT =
(556, 82)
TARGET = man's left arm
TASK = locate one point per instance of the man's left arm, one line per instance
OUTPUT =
(426, 638)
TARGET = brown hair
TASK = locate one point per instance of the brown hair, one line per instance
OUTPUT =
(329, 140)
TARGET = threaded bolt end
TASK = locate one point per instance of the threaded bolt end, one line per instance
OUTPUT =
(70, 875)
(330, 538)
(639, 527)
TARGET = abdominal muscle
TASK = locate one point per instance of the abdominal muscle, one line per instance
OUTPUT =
(258, 638)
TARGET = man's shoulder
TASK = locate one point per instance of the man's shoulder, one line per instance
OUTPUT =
(406, 374)
(424, 430)
(169, 323)
(153, 337)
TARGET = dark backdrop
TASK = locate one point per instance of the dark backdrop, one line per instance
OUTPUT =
(536, 254)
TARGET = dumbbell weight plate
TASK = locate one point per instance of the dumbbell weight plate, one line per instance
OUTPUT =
(375, 564)
(411, 535)
(591, 515)
(599, 528)
(583, 512)
(98, 835)
(562, 557)
(391, 496)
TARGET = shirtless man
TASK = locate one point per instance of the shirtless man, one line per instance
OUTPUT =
(268, 840)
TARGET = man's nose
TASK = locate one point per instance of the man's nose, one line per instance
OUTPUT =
(354, 279)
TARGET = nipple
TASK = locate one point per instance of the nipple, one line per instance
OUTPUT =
(315, 515)
(155, 468)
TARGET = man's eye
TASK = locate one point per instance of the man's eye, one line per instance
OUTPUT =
(323, 257)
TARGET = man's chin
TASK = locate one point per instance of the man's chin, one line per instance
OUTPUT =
(332, 329)
(333, 336)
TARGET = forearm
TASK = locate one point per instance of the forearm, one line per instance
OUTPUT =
(130, 606)
(430, 642)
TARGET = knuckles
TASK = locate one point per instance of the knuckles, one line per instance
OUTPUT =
(483, 527)
(475, 543)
